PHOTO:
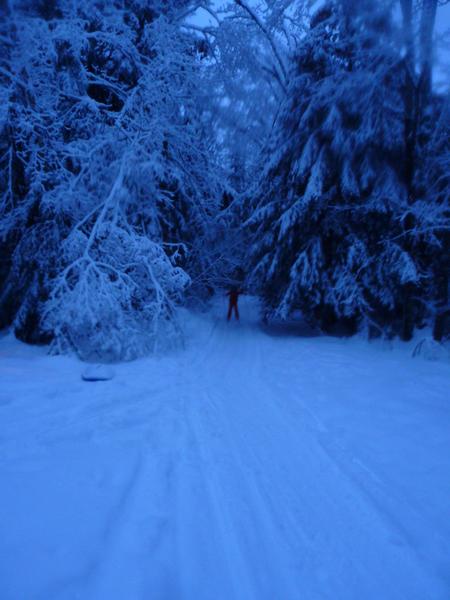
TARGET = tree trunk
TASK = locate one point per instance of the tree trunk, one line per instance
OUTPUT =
(408, 33)
(424, 93)
(416, 97)
(407, 329)
(410, 96)
(426, 46)
(440, 328)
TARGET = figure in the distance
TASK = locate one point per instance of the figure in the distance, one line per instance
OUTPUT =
(233, 295)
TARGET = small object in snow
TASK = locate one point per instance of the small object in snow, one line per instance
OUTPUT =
(97, 373)
(431, 350)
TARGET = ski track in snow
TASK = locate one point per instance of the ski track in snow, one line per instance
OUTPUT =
(249, 466)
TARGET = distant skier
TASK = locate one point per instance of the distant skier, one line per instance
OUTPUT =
(233, 295)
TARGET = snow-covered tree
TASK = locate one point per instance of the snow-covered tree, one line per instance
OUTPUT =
(327, 214)
(246, 46)
(106, 174)
(429, 216)
(427, 159)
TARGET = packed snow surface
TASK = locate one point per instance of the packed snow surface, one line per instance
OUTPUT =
(252, 464)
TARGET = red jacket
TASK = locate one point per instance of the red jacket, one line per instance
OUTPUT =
(234, 295)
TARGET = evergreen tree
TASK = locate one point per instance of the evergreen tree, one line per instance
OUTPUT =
(429, 218)
(328, 215)
(427, 167)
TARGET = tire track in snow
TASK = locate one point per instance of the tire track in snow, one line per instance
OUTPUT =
(210, 561)
(353, 508)
(139, 539)
(109, 564)
(237, 496)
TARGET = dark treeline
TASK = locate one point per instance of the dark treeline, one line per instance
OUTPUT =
(148, 158)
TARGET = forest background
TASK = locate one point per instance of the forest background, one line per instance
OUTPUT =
(155, 152)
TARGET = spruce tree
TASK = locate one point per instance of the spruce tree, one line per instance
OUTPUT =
(326, 216)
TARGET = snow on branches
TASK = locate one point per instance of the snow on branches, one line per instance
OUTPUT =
(336, 228)
(105, 178)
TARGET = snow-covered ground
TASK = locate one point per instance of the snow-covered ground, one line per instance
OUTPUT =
(251, 465)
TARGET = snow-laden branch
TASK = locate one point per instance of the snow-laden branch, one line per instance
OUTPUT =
(279, 61)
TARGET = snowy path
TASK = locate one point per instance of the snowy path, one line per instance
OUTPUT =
(248, 467)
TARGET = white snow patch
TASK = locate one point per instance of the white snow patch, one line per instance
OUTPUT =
(251, 465)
